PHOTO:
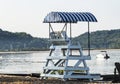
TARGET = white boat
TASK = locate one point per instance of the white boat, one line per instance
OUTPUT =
(104, 56)
(100, 56)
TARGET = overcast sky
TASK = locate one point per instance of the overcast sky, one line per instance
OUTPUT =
(27, 15)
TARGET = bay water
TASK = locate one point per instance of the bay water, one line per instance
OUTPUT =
(33, 61)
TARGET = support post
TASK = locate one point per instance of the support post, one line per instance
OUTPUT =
(66, 28)
(88, 39)
(49, 31)
(70, 32)
(70, 37)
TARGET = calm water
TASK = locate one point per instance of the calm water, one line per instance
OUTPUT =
(33, 62)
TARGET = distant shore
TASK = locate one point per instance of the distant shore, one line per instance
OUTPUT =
(27, 51)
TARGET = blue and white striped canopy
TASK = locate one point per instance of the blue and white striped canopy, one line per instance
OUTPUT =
(69, 17)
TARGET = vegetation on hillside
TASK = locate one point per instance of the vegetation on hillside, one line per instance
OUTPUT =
(100, 39)
(10, 41)
(21, 41)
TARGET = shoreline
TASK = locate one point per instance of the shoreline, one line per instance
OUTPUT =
(23, 52)
(11, 79)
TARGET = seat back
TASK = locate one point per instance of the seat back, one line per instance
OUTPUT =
(55, 35)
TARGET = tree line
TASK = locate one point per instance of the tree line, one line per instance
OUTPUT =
(19, 41)
(106, 39)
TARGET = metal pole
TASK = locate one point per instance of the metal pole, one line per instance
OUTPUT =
(70, 38)
(66, 31)
(49, 31)
(70, 32)
(88, 39)
(66, 28)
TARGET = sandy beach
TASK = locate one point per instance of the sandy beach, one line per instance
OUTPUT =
(10, 79)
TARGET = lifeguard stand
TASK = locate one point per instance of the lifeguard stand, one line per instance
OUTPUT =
(58, 62)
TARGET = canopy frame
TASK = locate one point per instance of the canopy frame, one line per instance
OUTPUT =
(70, 17)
